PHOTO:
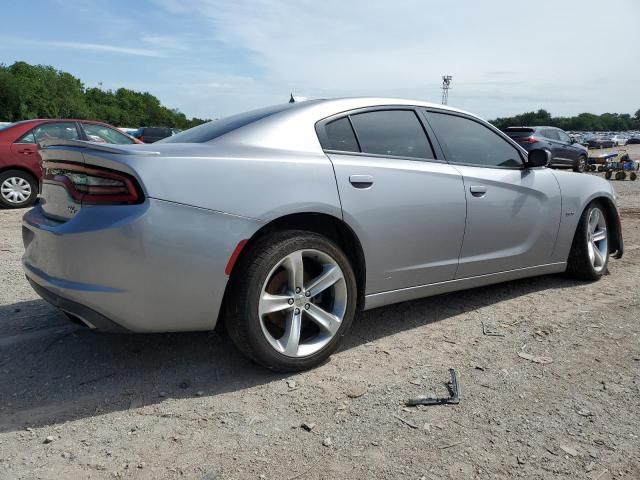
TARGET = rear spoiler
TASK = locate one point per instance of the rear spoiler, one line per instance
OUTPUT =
(101, 147)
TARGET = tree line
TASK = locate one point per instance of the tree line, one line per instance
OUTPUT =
(607, 122)
(40, 91)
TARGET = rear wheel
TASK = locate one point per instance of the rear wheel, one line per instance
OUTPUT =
(18, 189)
(607, 174)
(580, 164)
(633, 176)
(292, 301)
(589, 254)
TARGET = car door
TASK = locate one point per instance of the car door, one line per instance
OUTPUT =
(24, 151)
(513, 213)
(570, 151)
(405, 204)
(558, 152)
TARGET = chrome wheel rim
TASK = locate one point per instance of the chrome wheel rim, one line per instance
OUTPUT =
(582, 163)
(597, 241)
(302, 303)
(15, 190)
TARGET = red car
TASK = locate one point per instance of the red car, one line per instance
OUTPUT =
(19, 160)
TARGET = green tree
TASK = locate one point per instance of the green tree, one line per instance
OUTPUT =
(39, 91)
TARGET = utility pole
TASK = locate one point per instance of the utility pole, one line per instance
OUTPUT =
(446, 85)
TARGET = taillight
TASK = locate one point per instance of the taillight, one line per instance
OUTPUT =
(93, 185)
(530, 139)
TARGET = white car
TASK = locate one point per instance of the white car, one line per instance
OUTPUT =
(620, 140)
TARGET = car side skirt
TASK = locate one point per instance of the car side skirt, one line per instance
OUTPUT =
(395, 296)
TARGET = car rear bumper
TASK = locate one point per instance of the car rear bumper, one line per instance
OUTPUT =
(89, 317)
(153, 267)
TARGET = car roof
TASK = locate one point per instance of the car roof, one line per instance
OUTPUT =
(292, 128)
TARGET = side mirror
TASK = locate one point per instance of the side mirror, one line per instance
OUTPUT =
(538, 158)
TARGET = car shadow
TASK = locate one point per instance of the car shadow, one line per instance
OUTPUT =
(54, 371)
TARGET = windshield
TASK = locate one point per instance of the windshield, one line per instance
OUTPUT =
(211, 130)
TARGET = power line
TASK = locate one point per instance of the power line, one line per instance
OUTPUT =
(446, 85)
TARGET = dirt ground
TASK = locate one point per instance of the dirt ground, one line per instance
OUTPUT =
(74, 404)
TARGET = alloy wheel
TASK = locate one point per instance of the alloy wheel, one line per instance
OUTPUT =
(15, 190)
(597, 241)
(302, 303)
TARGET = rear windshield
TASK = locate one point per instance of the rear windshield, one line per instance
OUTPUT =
(209, 131)
(514, 132)
(152, 131)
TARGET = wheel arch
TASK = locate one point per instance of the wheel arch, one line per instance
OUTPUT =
(321, 223)
(21, 168)
(614, 225)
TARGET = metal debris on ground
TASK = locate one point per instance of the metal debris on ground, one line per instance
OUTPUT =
(452, 399)
(535, 358)
(491, 330)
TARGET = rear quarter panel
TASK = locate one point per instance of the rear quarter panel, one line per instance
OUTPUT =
(256, 183)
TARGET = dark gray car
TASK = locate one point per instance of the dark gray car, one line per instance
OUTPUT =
(565, 151)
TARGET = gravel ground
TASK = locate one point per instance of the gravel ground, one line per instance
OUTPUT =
(74, 404)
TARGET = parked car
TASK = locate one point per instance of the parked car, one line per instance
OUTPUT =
(152, 134)
(619, 140)
(634, 140)
(565, 151)
(19, 159)
(600, 141)
(301, 214)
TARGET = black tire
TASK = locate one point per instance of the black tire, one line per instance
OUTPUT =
(633, 176)
(578, 265)
(600, 168)
(581, 164)
(241, 305)
(607, 174)
(6, 202)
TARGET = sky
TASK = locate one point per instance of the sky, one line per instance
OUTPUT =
(212, 58)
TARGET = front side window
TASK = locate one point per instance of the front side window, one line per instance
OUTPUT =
(563, 136)
(56, 131)
(103, 134)
(471, 143)
(340, 136)
(396, 133)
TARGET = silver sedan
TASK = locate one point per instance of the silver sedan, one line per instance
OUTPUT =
(285, 222)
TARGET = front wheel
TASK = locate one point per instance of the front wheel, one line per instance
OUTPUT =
(589, 255)
(18, 189)
(292, 301)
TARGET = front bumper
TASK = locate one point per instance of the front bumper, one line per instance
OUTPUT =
(153, 267)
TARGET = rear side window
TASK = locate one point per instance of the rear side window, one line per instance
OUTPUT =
(393, 133)
(340, 136)
(102, 134)
(471, 143)
(56, 131)
(27, 138)
(550, 133)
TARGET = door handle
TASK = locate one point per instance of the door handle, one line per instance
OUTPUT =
(478, 190)
(26, 152)
(361, 181)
